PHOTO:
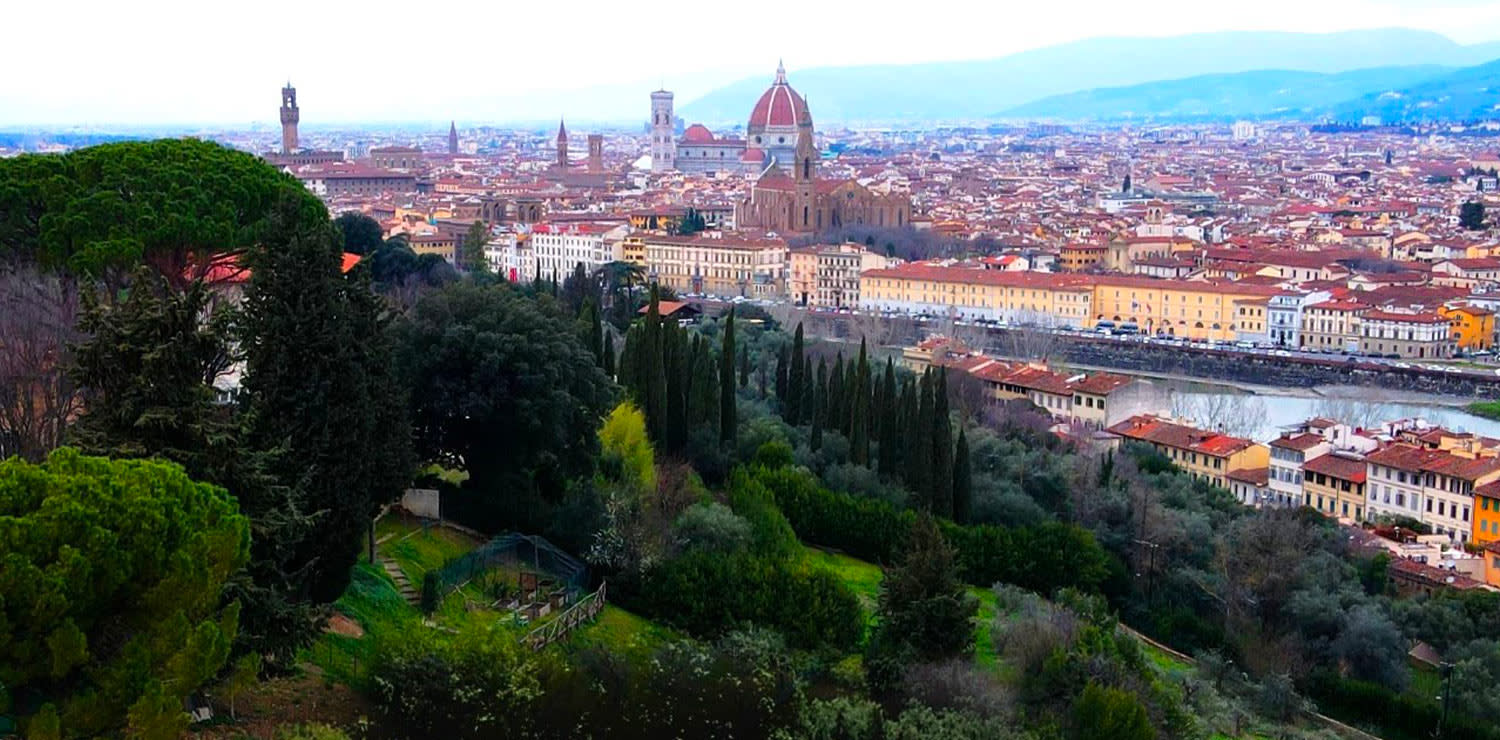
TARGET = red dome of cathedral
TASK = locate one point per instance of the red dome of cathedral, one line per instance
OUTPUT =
(779, 106)
(697, 134)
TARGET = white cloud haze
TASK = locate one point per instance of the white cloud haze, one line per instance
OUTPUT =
(101, 62)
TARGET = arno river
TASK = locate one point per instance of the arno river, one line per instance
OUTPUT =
(1262, 413)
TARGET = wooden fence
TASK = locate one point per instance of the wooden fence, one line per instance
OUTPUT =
(1343, 730)
(576, 615)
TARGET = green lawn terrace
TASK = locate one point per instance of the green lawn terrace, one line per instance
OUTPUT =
(482, 587)
(373, 610)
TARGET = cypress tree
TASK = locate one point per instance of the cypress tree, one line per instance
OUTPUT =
(626, 364)
(919, 464)
(834, 419)
(820, 406)
(890, 427)
(794, 380)
(691, 376)
(781, 379)
(652, 375)
(906, 416)
(809, 389)
(963, 480)
(942, 448)
(760, 376)
(744, 361)
(674, 360)
(706, 389)
(859, 424)
(851, 394)
(319, 383)
(728, 411)
(593, 331)
(609, 354)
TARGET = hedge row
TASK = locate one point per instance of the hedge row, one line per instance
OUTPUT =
(1043, 557)
(709, 593)
(1394, 716)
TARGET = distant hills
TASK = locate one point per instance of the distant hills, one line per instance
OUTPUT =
(1345, 65)
(1462, 95)
(1393, 94)
(1257, 94)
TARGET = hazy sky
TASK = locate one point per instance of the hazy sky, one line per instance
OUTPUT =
(101, 62)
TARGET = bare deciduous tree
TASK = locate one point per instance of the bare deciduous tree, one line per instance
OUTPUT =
(38, 316)
(1364, 412)
(1235, 414)
(1032, 336)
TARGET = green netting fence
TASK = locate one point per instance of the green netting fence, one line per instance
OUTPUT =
(522, 552)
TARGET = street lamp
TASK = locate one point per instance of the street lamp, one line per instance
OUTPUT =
(1446, 670)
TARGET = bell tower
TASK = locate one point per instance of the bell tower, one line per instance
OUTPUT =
(562, 145)
(596, 152)
(453, 137)
(289, 117)
(805, 176)
(663, 133)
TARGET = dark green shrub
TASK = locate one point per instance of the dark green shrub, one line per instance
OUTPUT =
(709, 594)
(432, 593)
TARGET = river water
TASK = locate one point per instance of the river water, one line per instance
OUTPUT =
(1263, 413)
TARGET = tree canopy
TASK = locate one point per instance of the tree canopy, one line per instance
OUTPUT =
(169, 203)
(323, 399)
(361, 234)
(502, 387)
(111, 591)
(1471, 216)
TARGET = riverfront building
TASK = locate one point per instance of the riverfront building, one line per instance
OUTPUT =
(1203, 454)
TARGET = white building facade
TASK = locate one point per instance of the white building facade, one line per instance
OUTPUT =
(556, 249)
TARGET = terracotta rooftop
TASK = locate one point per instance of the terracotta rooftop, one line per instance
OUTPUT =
(1300, 442)
(1147, 428)
(1337, 466)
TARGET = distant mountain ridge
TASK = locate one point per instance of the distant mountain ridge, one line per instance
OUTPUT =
(1462, 95)
(981, 88)
(1256, 94)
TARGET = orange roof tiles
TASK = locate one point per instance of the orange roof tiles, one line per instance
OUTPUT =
(1337, 466)
(1157, 430)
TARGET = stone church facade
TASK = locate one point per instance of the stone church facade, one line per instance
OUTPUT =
(801, 203)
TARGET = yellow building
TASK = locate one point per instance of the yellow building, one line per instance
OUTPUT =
(1334, 484)
(1192, 309)
(1017, 297)
(718, 264)
(1076, 257)
(435, 243)
(1204, 455)
(802, 275)
(1473, 327)
(665, 218)
(633, 250)
(1250, 318)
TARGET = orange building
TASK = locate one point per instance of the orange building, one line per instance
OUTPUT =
(1486, 513)
(1492, 564)
(1473, 328)
(1075, 257)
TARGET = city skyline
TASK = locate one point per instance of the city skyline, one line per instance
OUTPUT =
(584, 68)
